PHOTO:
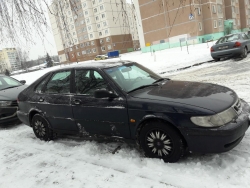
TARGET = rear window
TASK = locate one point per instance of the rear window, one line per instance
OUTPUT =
(228, 38)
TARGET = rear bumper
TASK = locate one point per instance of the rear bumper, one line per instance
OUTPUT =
(24, 117)
(220, 139)
(227, 53)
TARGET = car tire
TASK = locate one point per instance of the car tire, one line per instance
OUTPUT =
(244, 53)
(216, 59)
(41, 128)
(161, 140)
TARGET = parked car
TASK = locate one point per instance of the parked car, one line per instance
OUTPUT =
(233, 45)
(100, 57)
(9, 90)
(124, 99)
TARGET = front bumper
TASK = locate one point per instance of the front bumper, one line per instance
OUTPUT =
(8, 115)
(221, 139)
(227, 53)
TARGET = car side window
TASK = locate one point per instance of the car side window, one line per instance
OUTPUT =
(88, 81)
(59, 83)
(39, 87)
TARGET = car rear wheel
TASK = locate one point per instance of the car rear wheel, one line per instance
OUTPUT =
(41, 128)
(244, 53)
(161, 140)
(216, 59)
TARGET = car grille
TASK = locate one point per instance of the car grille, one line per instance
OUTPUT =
(14, 103)
(237, 107)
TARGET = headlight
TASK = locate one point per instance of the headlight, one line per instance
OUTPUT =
(215, 120)
(5, 103)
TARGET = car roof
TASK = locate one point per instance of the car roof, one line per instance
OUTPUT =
(100, 65)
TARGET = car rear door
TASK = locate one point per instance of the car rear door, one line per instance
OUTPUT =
(104, 116)
(55, 101)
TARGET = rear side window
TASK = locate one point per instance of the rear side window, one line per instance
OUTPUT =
(59, 83)
(39, 87)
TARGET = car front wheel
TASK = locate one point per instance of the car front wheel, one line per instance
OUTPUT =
(41, 128)
(161, 140)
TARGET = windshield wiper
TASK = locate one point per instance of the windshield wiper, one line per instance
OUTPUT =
(141, 87)
(161, 79)
(9, 87)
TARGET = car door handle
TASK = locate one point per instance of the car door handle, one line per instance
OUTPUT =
(41, 99)
(77, 101)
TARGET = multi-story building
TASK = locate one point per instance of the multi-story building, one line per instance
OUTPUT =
(83, 29)
(9, 60)
(171, 23)
(245, 13)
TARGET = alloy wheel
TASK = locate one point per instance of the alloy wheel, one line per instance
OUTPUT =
(39, 128)
(159, 143)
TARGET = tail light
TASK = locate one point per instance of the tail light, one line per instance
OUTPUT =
(211, 49)
(237, 44)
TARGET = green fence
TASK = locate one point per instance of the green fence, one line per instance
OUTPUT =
(198, 40)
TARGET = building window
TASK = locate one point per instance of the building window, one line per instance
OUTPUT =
(72, 26)
(104, 24)
(214, 9)
(98, 25)
(91, 36)
(89, 28)
(81, 45)
(94, 50)
(100, 1)
(200, 26)
(75, 40)
(109, 47)
(83, 52)
(92, 43)
(100, 33)
(78, 54)
(103, 15)
(219, 8)
(233, 9)
(84, 4)
(106, 31)
(70, 49)
(93, 2)
(101, 7)
(74, 33)
(220, 23)
(103, 48)
(95, 10)
(215, 23)
(96, 18)
(88, 43)
(69, 13)
(107, 39)
(86, 12)
(85, 37)
(82, 22)
(199, 11)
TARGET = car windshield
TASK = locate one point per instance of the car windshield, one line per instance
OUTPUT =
(228, 38)
(8, 82)
(132, 76)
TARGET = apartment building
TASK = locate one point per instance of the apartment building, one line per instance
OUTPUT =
(83, 29)
(9, 60)
(169, 23)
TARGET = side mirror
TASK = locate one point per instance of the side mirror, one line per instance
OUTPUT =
(104, 94)
(22, 81)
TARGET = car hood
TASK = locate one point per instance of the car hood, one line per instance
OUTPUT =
(204, 95)
(12, 93)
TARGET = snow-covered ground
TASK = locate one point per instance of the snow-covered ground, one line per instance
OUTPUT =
(26, 161)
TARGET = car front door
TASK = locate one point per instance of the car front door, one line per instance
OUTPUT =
(54, 101)
(103, 116)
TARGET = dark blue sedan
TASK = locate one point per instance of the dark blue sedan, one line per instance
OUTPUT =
(124, 99)
(234, 45)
